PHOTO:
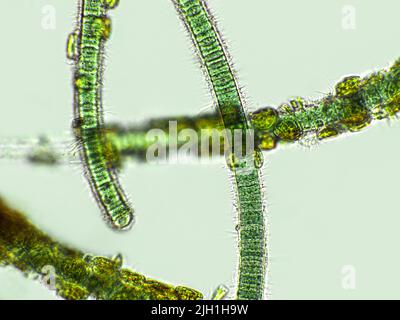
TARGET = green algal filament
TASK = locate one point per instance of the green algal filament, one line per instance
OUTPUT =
(76, 275)
(354, 105)
(293, 121)
(356, 102)
(247, 179)
(86, 47)
(300, 118)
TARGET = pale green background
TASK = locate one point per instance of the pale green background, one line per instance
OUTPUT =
(330, 206)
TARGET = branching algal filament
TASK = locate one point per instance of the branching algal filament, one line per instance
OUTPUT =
(86, 47)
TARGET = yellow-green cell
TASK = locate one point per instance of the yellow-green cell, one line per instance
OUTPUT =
(355, 117)
(327, 132)
(265, 118)
(348, 86)
(288, 129)
(110, 4)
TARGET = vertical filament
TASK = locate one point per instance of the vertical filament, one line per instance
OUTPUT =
(247, 179)
(87, 48)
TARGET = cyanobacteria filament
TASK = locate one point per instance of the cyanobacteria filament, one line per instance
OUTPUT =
(86, 47)
(247, 179)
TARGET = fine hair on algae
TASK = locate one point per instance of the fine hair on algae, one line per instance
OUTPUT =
(355, 103)
(86, 47)
(247, 184)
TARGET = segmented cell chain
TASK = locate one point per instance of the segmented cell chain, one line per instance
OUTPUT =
(247, 180)
(86, 47)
